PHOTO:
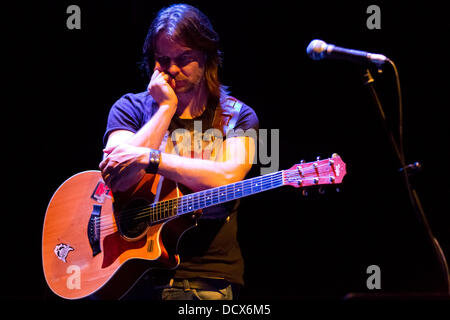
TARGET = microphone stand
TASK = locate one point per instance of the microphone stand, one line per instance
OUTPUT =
(414, 198)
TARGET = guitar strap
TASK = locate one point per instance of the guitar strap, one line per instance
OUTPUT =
(226, 115)
(225, 119)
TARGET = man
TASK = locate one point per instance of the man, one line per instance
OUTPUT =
(185, 93)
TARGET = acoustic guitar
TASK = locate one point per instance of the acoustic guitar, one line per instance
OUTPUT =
(94, 242)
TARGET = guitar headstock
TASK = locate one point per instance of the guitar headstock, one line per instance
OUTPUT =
(320, 172)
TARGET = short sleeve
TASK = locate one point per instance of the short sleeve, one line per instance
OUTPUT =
(247, 121)
(130, 112)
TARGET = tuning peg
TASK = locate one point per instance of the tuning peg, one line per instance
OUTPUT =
(322, 190)
(304, 192)
(337, 189)
(302, 161)
(317, 158)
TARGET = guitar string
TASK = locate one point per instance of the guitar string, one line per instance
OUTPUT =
(207, 196)
(108, 223)
(287, 173)
(163, 212)
(162, 204)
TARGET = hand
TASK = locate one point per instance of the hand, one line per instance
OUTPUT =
(161, 88)
(124, 166)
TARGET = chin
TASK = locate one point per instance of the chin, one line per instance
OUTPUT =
(184, 89)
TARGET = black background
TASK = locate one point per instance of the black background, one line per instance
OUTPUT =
(63, 83)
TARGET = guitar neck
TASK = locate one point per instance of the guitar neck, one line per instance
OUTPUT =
(211, 197)
(233, 191)
(320, 172)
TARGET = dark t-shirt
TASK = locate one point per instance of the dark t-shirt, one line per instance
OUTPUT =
(211, 249)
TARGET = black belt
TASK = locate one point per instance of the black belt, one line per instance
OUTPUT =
(200, 284)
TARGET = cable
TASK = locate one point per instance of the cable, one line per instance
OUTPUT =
(415, 201)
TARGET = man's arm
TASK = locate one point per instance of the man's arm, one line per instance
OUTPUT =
(149, 136)
(152, 133)
(235, 160)
(126, 165)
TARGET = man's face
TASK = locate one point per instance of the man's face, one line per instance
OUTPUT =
(185, 65)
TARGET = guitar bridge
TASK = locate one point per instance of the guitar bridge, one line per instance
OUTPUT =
(93, 230)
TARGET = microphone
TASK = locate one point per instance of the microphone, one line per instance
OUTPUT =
(318, 50)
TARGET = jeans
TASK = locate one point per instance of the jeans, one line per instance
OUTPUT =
(188, 293)
(182, 289)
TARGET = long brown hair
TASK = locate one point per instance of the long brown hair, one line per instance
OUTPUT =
(189, 26)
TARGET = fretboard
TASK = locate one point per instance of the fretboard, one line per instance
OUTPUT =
(202, 199)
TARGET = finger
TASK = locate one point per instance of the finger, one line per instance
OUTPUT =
(103, 164)
(106, 165)
(172, 83)
(109, 149)
(157, 78)
(157, 67)
(107, 176)
(155, 74)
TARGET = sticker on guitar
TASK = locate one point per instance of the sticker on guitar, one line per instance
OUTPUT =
(62, 250)
(101, 192)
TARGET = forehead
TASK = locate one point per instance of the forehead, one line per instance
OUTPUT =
(166, 46)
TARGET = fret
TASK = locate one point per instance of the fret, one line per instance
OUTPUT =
(152, 212)
(238, 190)
(266, 183)
(185, 205)
(175, 206)
(210, 197)
(222, 194)
(158, 211)
(190, 206)
(207, 198)
(196, 201)
(163, 209)
(202, 199)
(247, 188)
(256, 184)
(180, 205)
(230, 192)
(215, 195)
(167, 209)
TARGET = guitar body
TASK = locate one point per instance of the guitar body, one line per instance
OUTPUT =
(94, 243)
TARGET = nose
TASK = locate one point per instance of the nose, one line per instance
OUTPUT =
(173, 70)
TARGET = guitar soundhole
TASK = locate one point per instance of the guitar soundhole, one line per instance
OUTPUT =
(133, 219)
